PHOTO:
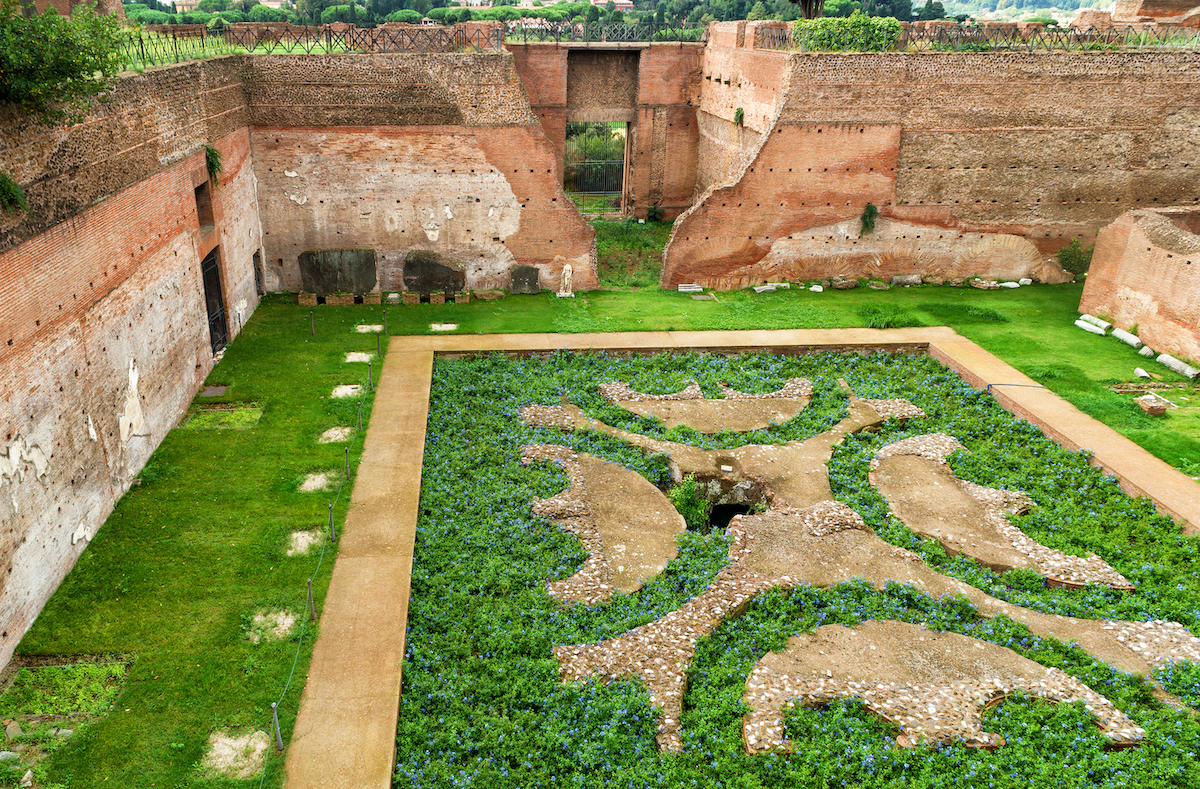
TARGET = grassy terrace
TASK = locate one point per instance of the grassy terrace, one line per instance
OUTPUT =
(175, 576)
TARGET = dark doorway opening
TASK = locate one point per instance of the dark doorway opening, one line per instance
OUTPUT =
(218, 332)
(594, 169)
(722, 514)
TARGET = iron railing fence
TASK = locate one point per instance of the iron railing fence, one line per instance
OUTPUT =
(595, 176)
(566, 32)
(983, 39)
(156, 49)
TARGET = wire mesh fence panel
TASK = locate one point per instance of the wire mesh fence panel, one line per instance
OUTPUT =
(148, 48)
(962, 38)
(535, 31)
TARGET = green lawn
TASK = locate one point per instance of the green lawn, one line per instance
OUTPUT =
(192, 553)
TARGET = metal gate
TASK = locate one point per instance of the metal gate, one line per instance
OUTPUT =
(594, 169)
(218, 333)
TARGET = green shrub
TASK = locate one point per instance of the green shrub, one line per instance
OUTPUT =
(212, 161)
(869, 215)
(51, 65)
(147, 16)
(12, 196)
(691, 503)
(738, 116)
(264, 13)
(855, 33)
(1074, 258)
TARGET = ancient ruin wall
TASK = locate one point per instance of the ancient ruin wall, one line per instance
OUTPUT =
(1145, 272)
(1041, 147)
(393, 153)
(104, 334)
(653, 87)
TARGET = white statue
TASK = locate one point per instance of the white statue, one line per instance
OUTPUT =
(564, 287)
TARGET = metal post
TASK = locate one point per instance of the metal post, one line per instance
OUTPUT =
(369, 388)
(312, 324)
(360, 416)
(346, 469)
(378, 344)
(385, 320)
(312, 608)
(332, 531)
(275, 720)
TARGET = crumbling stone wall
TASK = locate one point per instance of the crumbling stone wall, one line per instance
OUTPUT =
(65, 7)
(436, 152)
(104, 334)
(653, 87)
(1041, 146)
(1145, 272)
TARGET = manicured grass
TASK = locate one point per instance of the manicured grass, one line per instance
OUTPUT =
(1030, 328)
(175, 575)
(199, 546)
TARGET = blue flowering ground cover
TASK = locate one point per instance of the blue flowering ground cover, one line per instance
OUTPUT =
(482, 704)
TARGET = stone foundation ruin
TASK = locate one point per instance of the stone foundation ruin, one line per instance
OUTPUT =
(341, 166)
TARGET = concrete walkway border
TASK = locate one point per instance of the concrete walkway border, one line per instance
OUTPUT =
(345, 734)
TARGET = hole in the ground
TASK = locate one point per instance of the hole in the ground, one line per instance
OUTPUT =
(710, 502)
(722, 514)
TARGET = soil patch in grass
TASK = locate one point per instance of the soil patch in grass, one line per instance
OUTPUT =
(336, 435)
(271, 626)
(301, 542)
(236, 756)
(318, 481)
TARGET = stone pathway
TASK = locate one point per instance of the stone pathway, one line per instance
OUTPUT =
(914, 477)
(933, 686)
(626, 524)
(345, 732)
(736, 411)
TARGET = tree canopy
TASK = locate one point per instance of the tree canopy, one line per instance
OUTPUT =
(53, 66)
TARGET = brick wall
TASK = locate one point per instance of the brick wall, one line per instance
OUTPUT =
(83, 304)
(653, 87)
(401, 152)
(152, 121)
(1040, 147)
(488, 197)
(1146, 272)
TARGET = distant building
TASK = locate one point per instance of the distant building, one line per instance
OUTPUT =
(624, 6)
